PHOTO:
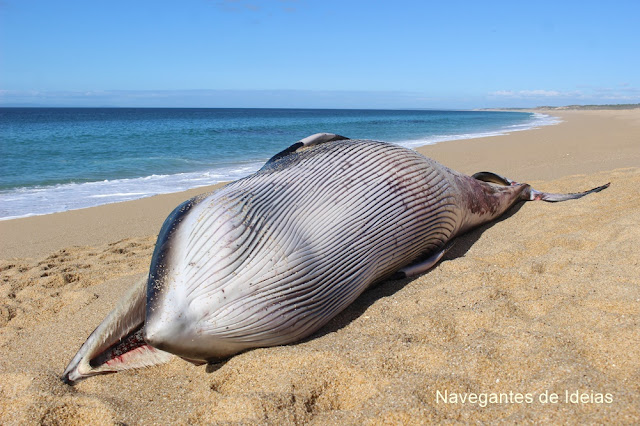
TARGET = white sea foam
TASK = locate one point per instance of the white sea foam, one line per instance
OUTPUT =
(538, 120)
(25, 202)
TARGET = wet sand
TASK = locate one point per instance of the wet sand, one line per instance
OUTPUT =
(545, 301)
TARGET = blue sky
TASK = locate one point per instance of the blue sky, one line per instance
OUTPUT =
(319, 53)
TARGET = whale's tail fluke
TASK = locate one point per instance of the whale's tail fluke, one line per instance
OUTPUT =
(552, 198)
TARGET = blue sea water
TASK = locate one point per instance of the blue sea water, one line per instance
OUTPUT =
(57, 159)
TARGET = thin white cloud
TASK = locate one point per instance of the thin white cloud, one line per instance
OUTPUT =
(215, 98)
(208, 98)
(523, 94)
(625, 93)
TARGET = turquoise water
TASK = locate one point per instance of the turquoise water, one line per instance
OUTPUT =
(56, 159)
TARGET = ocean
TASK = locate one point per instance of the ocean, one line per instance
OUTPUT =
(57, 159)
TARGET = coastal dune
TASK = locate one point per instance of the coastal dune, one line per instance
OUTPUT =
(533, 318)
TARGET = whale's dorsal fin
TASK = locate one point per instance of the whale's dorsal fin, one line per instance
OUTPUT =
(315, 139)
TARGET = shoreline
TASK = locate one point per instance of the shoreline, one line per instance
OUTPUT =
(543, 301)
(75, 196)
(37, 235)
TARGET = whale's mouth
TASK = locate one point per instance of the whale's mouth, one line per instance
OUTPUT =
(117, 343)
(129, 351)
(122, 351)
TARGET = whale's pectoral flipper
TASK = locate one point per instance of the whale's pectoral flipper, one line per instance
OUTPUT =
(493, 178)
(422, 266)
(319, 138)
(315, 139)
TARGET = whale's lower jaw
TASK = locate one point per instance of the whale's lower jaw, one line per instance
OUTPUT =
(117, 344)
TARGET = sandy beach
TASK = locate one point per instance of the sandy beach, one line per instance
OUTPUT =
(544, 302)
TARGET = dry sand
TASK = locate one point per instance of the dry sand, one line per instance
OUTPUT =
(545, 301)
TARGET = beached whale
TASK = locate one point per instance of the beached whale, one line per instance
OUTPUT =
(270, 258)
